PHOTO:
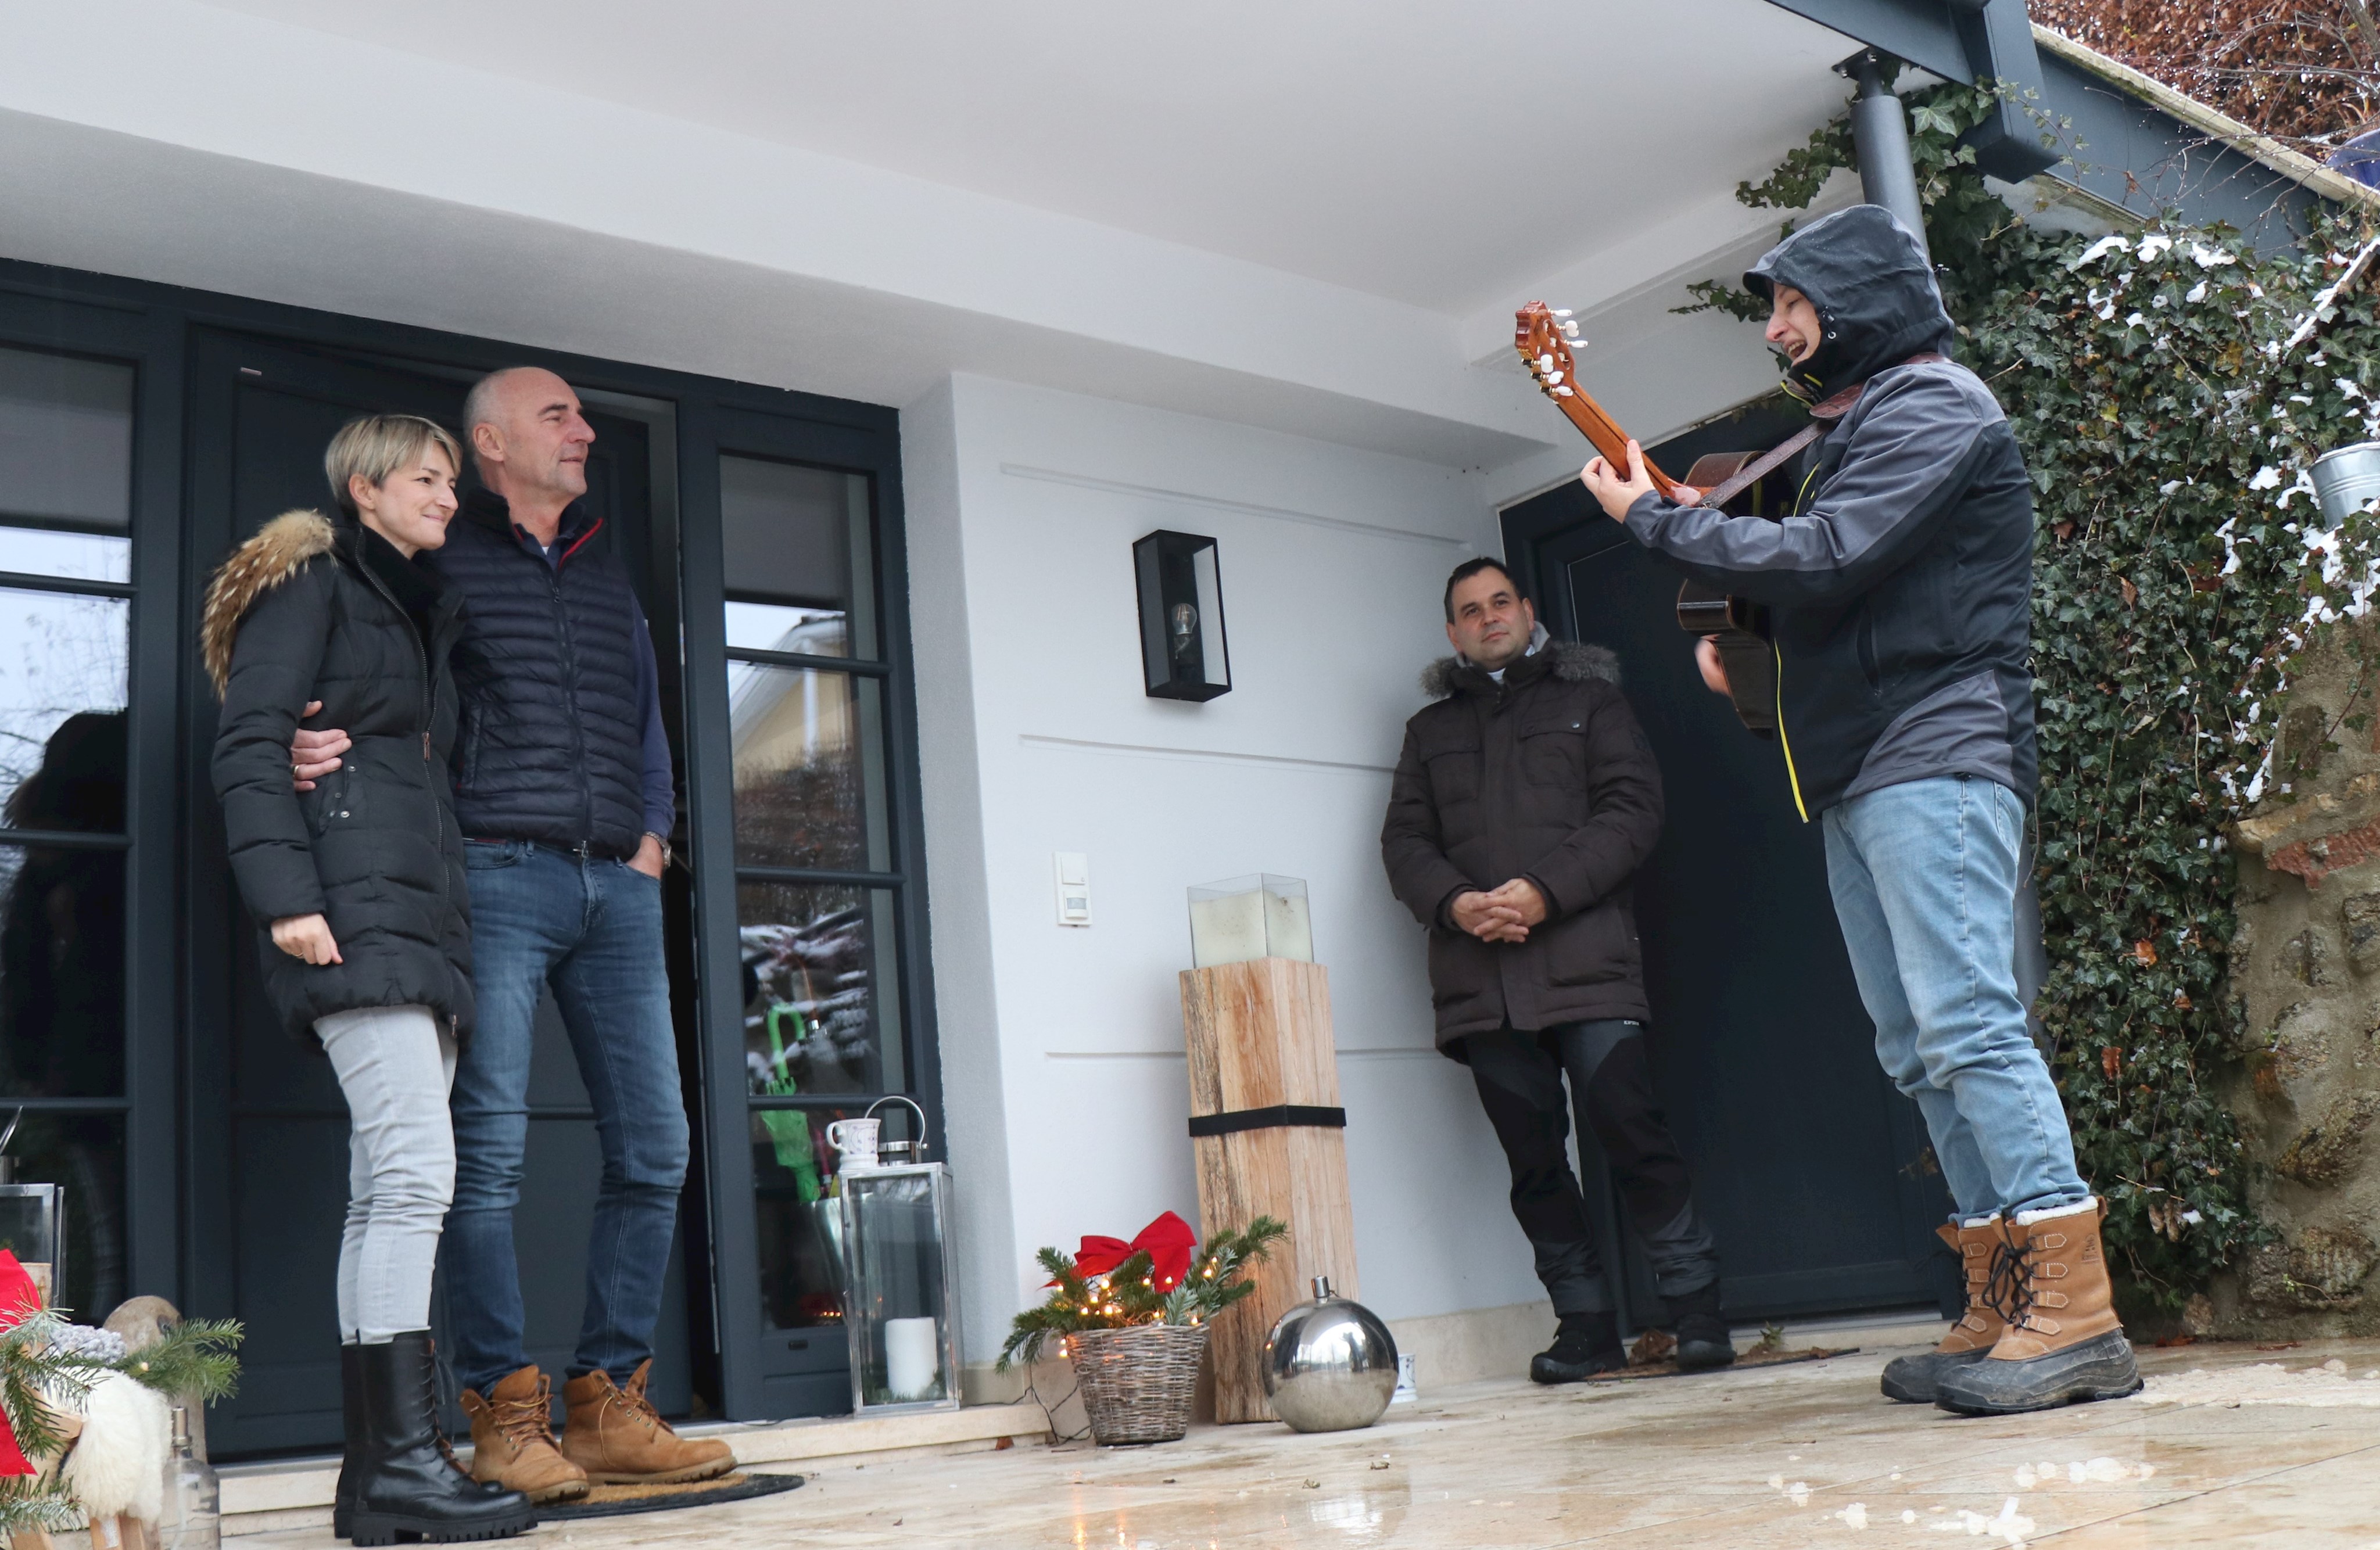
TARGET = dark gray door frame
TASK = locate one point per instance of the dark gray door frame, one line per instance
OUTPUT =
(149, 326)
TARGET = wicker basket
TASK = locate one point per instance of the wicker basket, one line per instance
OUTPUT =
(1137, 1383)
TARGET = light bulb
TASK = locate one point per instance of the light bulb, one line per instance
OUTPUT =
(1185, 618)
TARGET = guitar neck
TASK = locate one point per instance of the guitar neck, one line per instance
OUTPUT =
(1610, 441)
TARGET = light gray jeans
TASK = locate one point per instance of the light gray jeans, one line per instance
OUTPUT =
(396, 1065)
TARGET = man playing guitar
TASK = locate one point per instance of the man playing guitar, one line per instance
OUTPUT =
(1897, 590)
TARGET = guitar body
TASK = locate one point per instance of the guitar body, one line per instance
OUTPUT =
(1738, 627)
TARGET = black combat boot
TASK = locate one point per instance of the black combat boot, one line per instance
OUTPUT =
(406, 1485)
(1584, 1345)
(1703, 1341)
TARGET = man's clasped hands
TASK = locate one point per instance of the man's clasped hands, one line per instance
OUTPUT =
(1503, 914)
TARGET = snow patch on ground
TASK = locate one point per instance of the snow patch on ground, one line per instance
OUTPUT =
(2328, 1386)
(2103, 1471)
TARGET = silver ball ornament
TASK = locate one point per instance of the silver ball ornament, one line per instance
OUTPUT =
(1329, 1365)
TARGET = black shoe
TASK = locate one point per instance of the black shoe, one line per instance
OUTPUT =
(1585, 1344)
(351, 1426)
(1703, 1341)
(1917, 1380)
(2098, 1368)
(406, 1485)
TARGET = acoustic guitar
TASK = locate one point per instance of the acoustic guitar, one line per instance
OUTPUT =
(1737, 625)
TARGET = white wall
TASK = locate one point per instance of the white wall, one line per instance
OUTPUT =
(1062, 1047)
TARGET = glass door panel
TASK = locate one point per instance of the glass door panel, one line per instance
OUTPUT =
(816, 878)
(810, 769)
(65, 607)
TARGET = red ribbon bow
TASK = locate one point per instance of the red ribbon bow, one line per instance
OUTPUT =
(19, 1296)
(1168, 1240)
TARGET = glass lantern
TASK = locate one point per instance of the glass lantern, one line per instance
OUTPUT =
(33, 1222)
(899, 1277)
(1240, 919)
(1183, 653)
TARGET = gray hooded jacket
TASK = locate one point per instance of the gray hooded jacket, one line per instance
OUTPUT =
(1900, 586)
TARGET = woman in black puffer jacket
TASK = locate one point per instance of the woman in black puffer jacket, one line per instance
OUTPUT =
(363, 915)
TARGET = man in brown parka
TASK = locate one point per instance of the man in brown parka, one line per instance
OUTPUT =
(1524, 800)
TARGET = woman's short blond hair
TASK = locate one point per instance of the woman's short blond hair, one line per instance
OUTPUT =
(371, 447)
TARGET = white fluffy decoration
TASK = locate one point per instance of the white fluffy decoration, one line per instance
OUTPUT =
(118, 1463)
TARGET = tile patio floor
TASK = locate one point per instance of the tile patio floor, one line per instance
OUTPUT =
(2261, 1449)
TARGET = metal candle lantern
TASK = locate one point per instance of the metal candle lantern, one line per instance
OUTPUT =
(1182, 655)
(33, 1221)
(1329, 1365)
(900, 1278)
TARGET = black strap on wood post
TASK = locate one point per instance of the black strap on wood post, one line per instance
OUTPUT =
(1274, 1117)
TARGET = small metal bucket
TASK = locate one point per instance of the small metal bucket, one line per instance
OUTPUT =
(2346, 479)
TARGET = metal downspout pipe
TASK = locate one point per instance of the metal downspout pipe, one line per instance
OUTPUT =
(1880, 137)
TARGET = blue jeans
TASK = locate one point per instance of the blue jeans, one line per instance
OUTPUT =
(1924, 879)
(592, 931)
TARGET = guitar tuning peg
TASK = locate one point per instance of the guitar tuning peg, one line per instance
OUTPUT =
(1553, 379)
(1562, 392)
(1561, 311)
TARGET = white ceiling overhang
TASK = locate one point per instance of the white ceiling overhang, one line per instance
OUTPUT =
(1315, 218)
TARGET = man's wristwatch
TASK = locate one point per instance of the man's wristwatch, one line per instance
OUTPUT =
(662, 841)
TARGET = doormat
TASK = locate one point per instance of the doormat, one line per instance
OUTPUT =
(1654, 1358)
(614, 1501)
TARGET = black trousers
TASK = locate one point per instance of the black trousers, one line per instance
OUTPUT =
(1519, 1080)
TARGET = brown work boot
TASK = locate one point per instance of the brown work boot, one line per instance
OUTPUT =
(512, 1440)
(1918, 1379)
(2063, 1344)
(619, 1439)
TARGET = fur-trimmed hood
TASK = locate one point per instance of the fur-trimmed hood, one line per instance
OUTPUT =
(1573, 663)
(279, 548)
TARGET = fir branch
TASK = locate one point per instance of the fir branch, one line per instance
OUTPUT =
(35, 1381)
(1127, 1295)
(25, 1504)
(192, 1360)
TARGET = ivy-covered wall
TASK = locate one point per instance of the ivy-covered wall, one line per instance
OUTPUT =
(2170, 388)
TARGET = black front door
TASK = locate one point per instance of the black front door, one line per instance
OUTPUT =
(1814, 1172)
(268, 1134)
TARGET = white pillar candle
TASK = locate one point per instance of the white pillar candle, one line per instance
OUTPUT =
(910, 1358)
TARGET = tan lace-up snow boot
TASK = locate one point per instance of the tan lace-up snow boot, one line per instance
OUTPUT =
(1978, 1245)
(512, 1440)
(2063, 1344)
(619, 1439)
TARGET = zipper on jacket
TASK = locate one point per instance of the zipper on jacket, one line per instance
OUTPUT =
(429, 704)
(1792, 776)
(577, 728)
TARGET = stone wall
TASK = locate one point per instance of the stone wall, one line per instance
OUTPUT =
(2306, 966)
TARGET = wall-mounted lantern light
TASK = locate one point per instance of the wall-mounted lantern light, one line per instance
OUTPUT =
(1182, 650)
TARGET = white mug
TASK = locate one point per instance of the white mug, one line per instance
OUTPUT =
(855, 1140)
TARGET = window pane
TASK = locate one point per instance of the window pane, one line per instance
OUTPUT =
(83, 556)
(61, 973)
(821, 989)
(62, 680)
(800, 1231)
(797, 534)
(787, 627)
(85, 1153)
(66, 441)
(810, 769)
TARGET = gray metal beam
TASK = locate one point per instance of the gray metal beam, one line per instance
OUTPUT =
(1959, 40)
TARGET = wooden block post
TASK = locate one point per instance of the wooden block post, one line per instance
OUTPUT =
(1259, 1040)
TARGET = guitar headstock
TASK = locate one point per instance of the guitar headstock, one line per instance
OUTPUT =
(1544, 336)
